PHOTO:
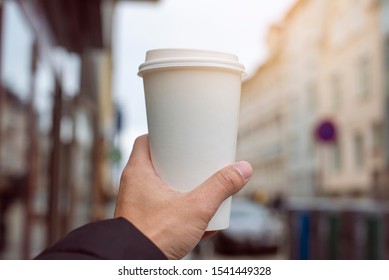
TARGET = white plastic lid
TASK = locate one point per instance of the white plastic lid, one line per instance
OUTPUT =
(167, 58)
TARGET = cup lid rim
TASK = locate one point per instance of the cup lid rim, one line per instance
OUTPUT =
(168, 58)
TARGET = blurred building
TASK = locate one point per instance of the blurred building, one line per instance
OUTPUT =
(353, 96)
(57, 120)
(325, 64)
(262, 127)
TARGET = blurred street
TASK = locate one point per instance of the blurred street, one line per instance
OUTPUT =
(314, 123)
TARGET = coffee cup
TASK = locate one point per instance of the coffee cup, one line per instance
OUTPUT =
(192, 103)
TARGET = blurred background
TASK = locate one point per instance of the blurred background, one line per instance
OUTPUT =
(314, 118)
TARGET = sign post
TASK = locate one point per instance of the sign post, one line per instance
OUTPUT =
(325, 136)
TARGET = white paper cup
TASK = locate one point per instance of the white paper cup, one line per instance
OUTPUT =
(192, 102)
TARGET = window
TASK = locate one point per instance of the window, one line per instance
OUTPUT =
(378, 137)
(311, 98)
(293, 154)
(17, 51)
(358, 152)
(44, 91)
(310, 148)
(293, 108)
(363, 77)
(336, 157)
(336, 92)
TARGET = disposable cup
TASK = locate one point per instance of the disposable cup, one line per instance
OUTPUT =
(192, 103)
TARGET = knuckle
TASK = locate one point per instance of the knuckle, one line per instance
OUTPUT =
(227, 180)
(138, 140)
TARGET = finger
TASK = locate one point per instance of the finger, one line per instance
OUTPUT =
(141, 150)
(223, 184)
(140, 159)
(209, 234)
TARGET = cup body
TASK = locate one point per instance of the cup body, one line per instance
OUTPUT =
(192, 115)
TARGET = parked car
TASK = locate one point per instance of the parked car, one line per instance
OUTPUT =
(254, 229)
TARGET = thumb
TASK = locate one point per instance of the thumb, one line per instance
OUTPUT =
(223, 184)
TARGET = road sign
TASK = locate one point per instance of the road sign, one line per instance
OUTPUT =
(326, 132)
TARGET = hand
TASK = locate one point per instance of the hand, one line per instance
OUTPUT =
(174, 221)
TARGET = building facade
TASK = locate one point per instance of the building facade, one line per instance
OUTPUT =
(54, 131)
(262, 129)
(327, 63)
(352, 84)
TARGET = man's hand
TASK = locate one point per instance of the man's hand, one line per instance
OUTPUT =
(174, 221)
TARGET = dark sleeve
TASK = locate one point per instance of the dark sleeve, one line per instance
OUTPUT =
(113, 239)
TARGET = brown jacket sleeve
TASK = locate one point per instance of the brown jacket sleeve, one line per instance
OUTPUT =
(113, 239)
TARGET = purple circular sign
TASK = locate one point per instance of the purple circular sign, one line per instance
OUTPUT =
(326, 132)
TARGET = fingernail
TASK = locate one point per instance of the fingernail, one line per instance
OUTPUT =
(244, 169)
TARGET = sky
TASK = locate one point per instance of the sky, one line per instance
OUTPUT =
(234, 26)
